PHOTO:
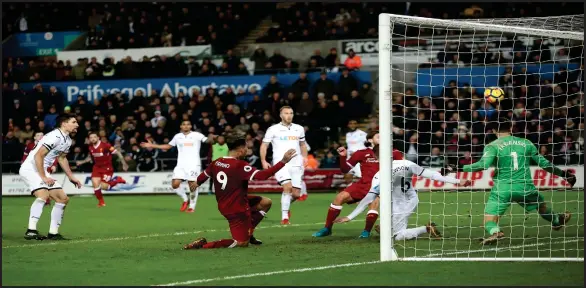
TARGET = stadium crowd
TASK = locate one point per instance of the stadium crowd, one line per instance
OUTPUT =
(315, 21)
(126, 121)
(454, 127)
(138, 25)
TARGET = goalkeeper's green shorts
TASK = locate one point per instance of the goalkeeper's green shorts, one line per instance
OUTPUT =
(502, 195)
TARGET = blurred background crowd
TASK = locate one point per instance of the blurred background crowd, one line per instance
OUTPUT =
(429, 130)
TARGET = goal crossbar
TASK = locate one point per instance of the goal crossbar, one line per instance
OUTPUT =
(386, 19)
(385, 92)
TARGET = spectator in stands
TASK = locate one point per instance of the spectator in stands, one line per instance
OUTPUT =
(320, 61)
(330, 161)
(220, 148)
(346, 84)
(272, 87)
(312, 163)
(301, 85)
(330, 60)
(324, 85)
(278, 60)
(260, 59)
(435, 159)
(353, 62)
(305, 107)
(466, 159)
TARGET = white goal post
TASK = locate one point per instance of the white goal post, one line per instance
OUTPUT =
(567, 28)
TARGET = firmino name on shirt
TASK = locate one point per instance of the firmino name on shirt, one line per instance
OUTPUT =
(223, 165)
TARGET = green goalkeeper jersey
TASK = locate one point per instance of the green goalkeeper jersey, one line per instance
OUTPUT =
(512, 158)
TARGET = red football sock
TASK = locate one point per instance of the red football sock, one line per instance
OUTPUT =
(370, 220)
(224, 243)
(98, 193)
(112, 184)
(333, 213)
(257, 216)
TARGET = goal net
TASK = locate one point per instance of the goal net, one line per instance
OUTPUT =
(432, 77)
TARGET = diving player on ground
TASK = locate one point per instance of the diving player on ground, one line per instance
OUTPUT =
(102, 171)
(513, 181)
(244, 212)
(404, 202)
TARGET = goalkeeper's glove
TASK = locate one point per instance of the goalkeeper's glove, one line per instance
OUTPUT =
(450, 168)
(570, 178)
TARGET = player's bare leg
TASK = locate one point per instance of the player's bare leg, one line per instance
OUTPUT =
(333, 213)
(41, 197)
(98, 186)
(492, 227)
(176, 185)
(193, 197)
(258, 213)
(61, 201)
(286, 200)
(371, 218)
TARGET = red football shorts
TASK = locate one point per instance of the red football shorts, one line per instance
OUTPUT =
(240, 226)
(102, 173)
(358, 190)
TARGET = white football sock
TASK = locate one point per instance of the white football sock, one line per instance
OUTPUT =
(285, 205)
(56, 217)
(181, 192)
(36, 212)
(408, 234)
(193, 201)
(303, 188)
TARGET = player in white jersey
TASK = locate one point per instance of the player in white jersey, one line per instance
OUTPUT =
(284, 136)
(54, 145)
(404, 200)
(188, 167)
(355, 140)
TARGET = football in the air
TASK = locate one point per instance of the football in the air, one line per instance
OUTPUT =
(494, 94)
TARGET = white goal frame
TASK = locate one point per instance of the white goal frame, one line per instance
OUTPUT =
(385, 91)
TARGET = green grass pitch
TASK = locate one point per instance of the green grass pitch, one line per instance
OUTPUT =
(138, 240)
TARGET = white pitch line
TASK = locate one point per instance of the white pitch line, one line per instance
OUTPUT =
(499, 249)
(146, 236)
(269, 273)
(308, 269)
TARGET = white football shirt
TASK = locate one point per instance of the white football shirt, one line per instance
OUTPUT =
(188, 147)
(355, 141)
(56, 142)
(403, 191)
(284, 138)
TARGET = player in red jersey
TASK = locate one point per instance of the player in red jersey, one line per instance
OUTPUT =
(102, 171)
(356, 191)
(30, 147)
(230, 177)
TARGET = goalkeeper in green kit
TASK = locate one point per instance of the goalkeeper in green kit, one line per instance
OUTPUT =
(513, 181)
